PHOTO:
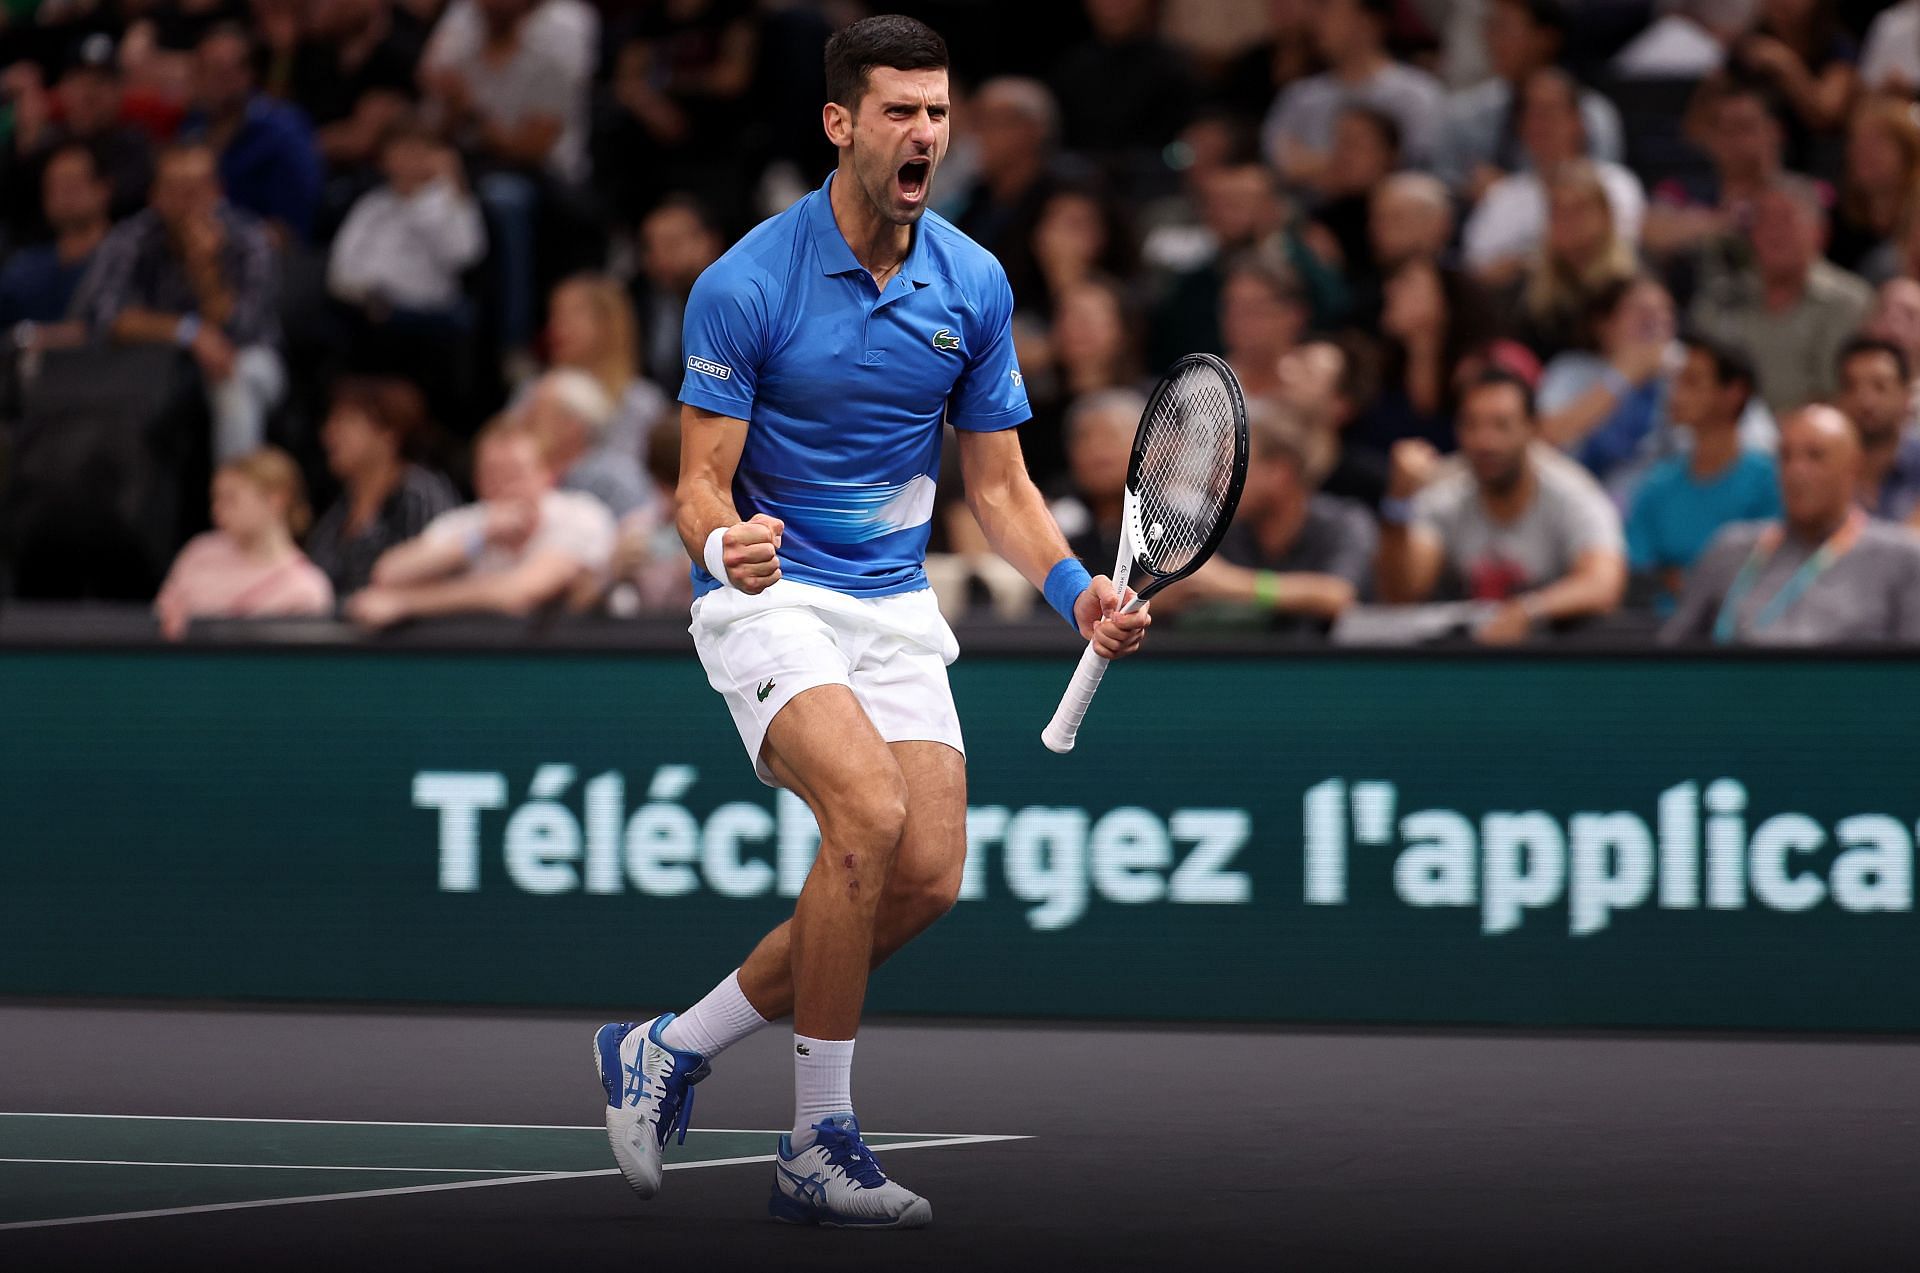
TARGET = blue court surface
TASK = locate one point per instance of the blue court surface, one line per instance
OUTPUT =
(216, 1138)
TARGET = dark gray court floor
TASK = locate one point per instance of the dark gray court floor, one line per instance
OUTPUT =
(1150, 1148)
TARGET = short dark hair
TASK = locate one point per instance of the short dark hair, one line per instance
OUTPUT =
(1550, 15)
(394, 406)
(1860, 346)
(1380, 10)
(1384, 126)
(1496, 378)
(888, 39)
(1730, 364)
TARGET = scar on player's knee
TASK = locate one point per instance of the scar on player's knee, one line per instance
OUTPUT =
(850, 861)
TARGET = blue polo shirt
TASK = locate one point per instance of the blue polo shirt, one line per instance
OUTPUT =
(844, 387)
(1675, 515)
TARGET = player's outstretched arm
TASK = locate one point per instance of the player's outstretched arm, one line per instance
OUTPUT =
(745, 554)
(1016, 522)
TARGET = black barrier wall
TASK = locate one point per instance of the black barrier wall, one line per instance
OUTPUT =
(1688, 842)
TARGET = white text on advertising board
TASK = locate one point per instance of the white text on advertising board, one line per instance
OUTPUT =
(1057, 859)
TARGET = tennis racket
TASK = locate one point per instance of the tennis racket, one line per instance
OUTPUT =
(1183, 483)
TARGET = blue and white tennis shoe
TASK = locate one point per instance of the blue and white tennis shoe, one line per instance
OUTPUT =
(837, 1182)
(649, 1095)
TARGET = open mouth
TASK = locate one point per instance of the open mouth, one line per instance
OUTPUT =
(913, 176)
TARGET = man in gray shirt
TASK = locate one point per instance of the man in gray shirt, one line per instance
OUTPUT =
(1508, 521)
(1825, 574)
(1352, 37)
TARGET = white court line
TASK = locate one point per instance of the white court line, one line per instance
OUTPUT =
(367, 1122)
(448, 1187)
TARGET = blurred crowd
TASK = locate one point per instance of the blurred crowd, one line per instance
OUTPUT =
(1553, 316)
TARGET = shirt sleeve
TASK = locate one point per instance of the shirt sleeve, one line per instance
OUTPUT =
(108, 283)
(991, 394)
(1594, 522)
(255, 286)
(456, 525)
(1353, 559)
(724, 339)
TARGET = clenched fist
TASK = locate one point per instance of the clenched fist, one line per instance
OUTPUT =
(1414, 463)
(750, 552)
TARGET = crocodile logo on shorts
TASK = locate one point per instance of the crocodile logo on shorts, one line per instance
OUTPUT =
(945, 341)
(764, 690)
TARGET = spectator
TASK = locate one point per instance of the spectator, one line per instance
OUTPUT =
(83, 108)
(1890, 62)
(1689, 40)
(684, 76)
(1294, 558)
(1244, 211)
(369, 435)
(1409, 218)
(507, 80)
(402, 250)
(1603, 407)
(1582, 257)
(353, 74)
(523, 547)
(195, 272)
(1352, 37)
(1290, 52)
(1824, 574)
(249, 565)
(1478, 142)
(1896, 319)
(1507, 522)
(569, 412)
(1366, 150)
(1791, 310)
(268, 163)
(591, 329)
(678, 241)
(1744, 139)
(1079, 234)
(1262, 317)
(1800, 49)
(1099, 430)
(1090, 347)
(37, 283)
(649, 563)
(1327, 385)
(1015, 126)
(1507, 225)
(1686, 499)
(1876, 396)
(1431, 318)
(1128, 126)
(1880, 192)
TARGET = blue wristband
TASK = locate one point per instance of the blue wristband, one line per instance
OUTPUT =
(1065, 582)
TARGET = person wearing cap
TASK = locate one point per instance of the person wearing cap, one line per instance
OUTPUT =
(569, 412)
(1294, 558)
(522, 547)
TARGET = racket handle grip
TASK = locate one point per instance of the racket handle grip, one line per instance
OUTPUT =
(1065, 725)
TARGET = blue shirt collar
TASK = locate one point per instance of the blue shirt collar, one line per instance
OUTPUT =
(837, 258)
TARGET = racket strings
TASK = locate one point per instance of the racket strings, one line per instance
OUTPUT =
(1187, 453)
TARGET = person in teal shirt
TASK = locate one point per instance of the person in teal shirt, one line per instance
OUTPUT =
(1685, 500)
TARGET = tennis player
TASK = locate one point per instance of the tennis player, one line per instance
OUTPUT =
(823, 353)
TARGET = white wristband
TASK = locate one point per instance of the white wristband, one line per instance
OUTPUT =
(710, 556)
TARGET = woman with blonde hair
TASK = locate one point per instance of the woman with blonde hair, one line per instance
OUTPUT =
(250, 564)
(1878, 191)
(1582, 256)
(591, 328)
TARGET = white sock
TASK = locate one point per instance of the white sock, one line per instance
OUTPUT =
(716, 1023)
(822, 1083)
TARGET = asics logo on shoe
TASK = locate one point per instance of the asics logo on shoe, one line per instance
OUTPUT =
(810, 1188)
(636, 1085)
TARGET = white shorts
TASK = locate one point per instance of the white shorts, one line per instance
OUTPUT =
(892, 652)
